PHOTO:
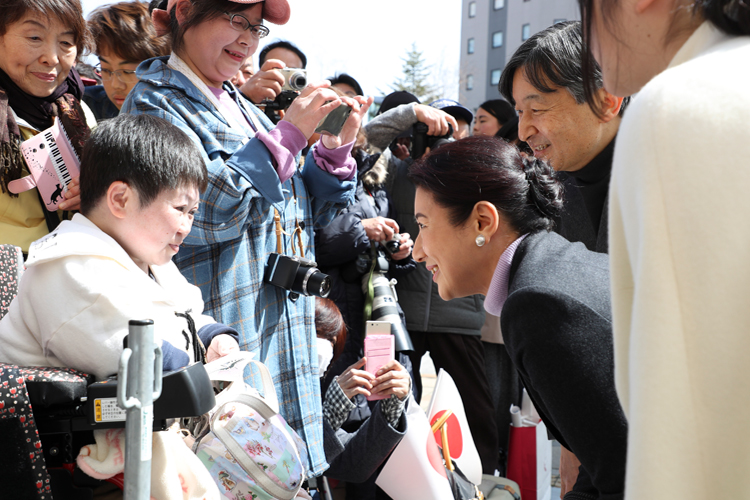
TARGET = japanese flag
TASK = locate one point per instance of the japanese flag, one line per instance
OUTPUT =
(415, 469)
(460, 443)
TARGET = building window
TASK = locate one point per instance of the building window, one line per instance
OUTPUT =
(499, 4)
(497, 39)
(525, 32)
(495, 77)
(472, 9)
(470, 46)
(470, 82)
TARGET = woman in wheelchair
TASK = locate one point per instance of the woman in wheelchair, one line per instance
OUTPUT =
(141, 179)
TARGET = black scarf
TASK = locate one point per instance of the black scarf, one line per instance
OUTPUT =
(38, 111)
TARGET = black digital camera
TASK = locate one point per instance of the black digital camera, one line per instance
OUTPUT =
(298, 275)
(420, 141)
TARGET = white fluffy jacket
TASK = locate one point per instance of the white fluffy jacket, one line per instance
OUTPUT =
(680, 264)
(77, 295)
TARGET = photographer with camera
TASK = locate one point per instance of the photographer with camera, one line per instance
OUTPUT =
(281, 78)
(258, 203)
(450, 331)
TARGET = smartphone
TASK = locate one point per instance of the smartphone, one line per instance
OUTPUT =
(379, 350)
(378, 328)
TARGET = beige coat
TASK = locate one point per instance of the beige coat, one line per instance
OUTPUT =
(680, 252)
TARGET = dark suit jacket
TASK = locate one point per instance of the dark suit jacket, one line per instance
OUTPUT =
(557, 328)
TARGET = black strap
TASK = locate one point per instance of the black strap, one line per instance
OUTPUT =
(199, 352)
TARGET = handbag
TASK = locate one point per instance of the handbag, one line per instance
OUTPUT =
(248, 447)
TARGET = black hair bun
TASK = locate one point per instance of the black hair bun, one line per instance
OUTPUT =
(545, 189)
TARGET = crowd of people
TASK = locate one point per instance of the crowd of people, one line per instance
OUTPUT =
(576, 238)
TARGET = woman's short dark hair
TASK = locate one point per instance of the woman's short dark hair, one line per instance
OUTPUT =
(147, 153)
(730, 16)
(68, 12)
(460, 174)
(200, 11)
(282, 44)
(501, 109)
(126, 30)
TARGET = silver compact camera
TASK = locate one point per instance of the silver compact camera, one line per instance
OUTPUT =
(295, 79)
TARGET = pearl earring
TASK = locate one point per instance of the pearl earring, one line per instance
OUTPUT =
(480, 241)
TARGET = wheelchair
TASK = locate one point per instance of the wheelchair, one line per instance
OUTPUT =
(48, 414)
(66, 407)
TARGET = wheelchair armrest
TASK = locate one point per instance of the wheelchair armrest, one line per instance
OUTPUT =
(50, 386)
(186, 392)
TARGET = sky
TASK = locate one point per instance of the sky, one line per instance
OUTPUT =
(369, 39)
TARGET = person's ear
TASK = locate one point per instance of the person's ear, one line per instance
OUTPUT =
(119, 199)
(182, 10)
(486, 219)
(610, 105)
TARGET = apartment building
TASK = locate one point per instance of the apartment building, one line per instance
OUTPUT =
(491, 31)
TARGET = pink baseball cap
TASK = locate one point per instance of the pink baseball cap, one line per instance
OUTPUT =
(274, 11)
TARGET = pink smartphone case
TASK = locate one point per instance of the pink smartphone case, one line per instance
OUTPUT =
(52, 163)
(379, 350)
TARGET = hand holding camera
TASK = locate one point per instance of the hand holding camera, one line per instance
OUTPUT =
(266, 84)
(404, 247)
(437, 121)
(379, 228)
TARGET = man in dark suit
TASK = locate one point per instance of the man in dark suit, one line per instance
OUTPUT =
(572, 131)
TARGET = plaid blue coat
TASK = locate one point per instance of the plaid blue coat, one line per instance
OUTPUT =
(233, 233)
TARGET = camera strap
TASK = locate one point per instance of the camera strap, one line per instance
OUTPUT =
(297, 228)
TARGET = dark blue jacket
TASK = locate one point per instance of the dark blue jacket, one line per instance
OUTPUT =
(96, 98)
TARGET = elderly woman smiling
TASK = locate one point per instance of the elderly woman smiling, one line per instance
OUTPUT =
(39, 43)
(484, 212)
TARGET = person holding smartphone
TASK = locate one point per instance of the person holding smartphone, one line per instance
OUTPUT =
(356, 456)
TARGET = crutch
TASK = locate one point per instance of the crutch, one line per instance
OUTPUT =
(139, 384)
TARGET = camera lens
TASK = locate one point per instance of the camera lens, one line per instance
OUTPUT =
(310, 281)
(319, 285)
(298, 81)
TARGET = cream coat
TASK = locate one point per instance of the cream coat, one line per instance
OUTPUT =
(77, 295)
(679, 248)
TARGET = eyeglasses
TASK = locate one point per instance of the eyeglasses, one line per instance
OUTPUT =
(238, 22)
(124, 75)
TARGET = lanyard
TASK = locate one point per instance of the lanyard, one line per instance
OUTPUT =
(297, 228)
(178, 64)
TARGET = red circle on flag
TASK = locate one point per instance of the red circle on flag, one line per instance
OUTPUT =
(455, 436)
(435, 458)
